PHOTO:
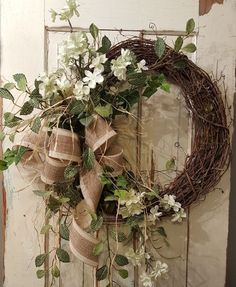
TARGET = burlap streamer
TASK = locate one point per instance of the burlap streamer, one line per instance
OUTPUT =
(99, 137)
(52, 153)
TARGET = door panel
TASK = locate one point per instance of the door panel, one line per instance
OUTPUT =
(166, 132)
(22, 51)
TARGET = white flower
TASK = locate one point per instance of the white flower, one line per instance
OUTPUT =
(126, 56)
(168, 202)
(76, 44)
(98, 62)
(119, 72)
(92, 78)
(133, 204)
(64, 85)
(146, 280)
(53, 15)
(131, 210)
(119, 65)
(48, 87)
(68, 11)
(141, 66)
(81, 91)
(178, 216)
(154, 214)
(159, 270)
(135, 257)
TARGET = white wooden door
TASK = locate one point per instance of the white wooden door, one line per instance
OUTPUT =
(30, 43)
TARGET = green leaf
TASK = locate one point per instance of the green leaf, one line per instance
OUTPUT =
(20, 152)
(10, 120)
(71, 171)
(160, 47)
(98, 249)
(12, 136)
(27, 108)
(9, 156)
(190, 48)
(120, 236)
(86, 121)
(104, 111)
(190, 26)
(40, 259)
(180, 64)
(131, 97)
(121, 193)
(170, 164)
(42, 193)
(55, 271)
(165, 86)
(2, 136)
(88, 158)
(62, 255)
(45, 229)
(53, 204)
(4, 93)
(96, 224)
(161, 231)
(121, 181)
(36, 125)
(20, 81)
(178, 43)
(76, 107)
(40, 274)
(64, 199)
(121, 260)
(106, 45)
(149, 91)
(53, 17)
(64, 231)
(9, 86)
(123, 273)
(101, 273)
(3, 165)
(137, 79)
(94, 30)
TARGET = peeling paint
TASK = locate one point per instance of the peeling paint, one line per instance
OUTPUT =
(206, 5)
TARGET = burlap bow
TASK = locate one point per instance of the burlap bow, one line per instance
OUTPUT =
(51, 154)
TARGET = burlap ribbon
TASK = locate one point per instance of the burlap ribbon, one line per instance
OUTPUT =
(51, 152)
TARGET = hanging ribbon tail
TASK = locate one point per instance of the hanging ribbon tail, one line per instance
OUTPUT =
(82, 244)
(99, 136)
(50, 156)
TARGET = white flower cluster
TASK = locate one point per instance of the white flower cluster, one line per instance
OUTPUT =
(67, 12)
(160, 270)
(136, 257)
(119, 65)
(154, 214)
(132, 204)
(48, 85)
(76, 45)
(168, 202)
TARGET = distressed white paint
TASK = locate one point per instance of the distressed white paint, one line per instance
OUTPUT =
(22, 51)
(209, 220)
(131, 14)
(22, 43)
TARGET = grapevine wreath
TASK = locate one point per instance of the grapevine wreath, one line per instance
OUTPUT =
(69, 142)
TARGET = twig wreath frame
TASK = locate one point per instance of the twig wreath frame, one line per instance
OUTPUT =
(68, 140)
(209, 158)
